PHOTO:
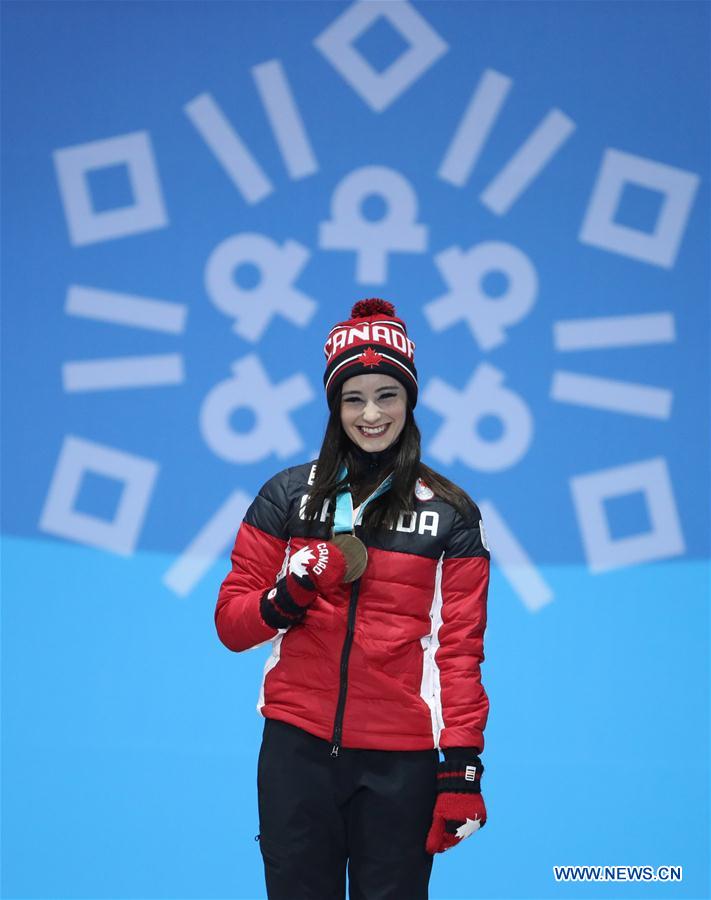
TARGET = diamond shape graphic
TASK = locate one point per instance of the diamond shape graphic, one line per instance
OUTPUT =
(380, 89)
(593, 491)
(676, 189)
(79, 458)
(144, 212)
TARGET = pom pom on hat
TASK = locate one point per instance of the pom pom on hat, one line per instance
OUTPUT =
(372, 307)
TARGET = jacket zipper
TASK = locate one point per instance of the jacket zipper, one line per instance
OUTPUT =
(345, 654)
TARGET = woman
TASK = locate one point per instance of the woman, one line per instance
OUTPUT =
(369, 573)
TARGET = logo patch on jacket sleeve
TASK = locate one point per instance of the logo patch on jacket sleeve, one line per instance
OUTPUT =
(422, 492)
(483, 535)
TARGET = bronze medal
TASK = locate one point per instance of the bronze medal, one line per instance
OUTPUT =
(355, 553)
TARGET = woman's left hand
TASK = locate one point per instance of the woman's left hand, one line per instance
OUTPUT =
(459, 809)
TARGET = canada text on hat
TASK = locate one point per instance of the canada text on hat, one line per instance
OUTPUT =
(369, 332)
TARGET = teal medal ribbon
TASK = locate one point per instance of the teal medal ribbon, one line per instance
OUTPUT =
(343, 518)
(353, 549)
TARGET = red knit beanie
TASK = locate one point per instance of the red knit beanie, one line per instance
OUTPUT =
(373, 340)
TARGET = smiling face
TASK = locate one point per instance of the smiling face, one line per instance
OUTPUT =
(373, 409)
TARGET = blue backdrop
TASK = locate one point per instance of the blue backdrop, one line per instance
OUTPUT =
(193, 194)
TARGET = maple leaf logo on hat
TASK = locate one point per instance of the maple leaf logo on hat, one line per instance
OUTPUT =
(369, 357)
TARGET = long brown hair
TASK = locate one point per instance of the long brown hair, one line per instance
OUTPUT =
(337, 450)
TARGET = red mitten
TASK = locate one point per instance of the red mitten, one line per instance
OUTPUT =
(459, 809)
(316, 568)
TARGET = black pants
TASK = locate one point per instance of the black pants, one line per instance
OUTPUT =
(369, 809)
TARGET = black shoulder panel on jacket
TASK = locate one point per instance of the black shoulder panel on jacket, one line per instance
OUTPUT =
(467, 537)
(269, 511)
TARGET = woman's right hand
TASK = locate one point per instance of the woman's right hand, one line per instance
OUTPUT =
(317, 567)
(314, 569)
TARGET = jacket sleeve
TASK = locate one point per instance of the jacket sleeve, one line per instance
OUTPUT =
(257, 558)
(464, 589)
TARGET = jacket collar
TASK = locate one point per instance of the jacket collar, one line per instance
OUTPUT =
(367, 464)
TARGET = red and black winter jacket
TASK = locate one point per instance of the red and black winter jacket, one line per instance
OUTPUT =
(388, 662)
